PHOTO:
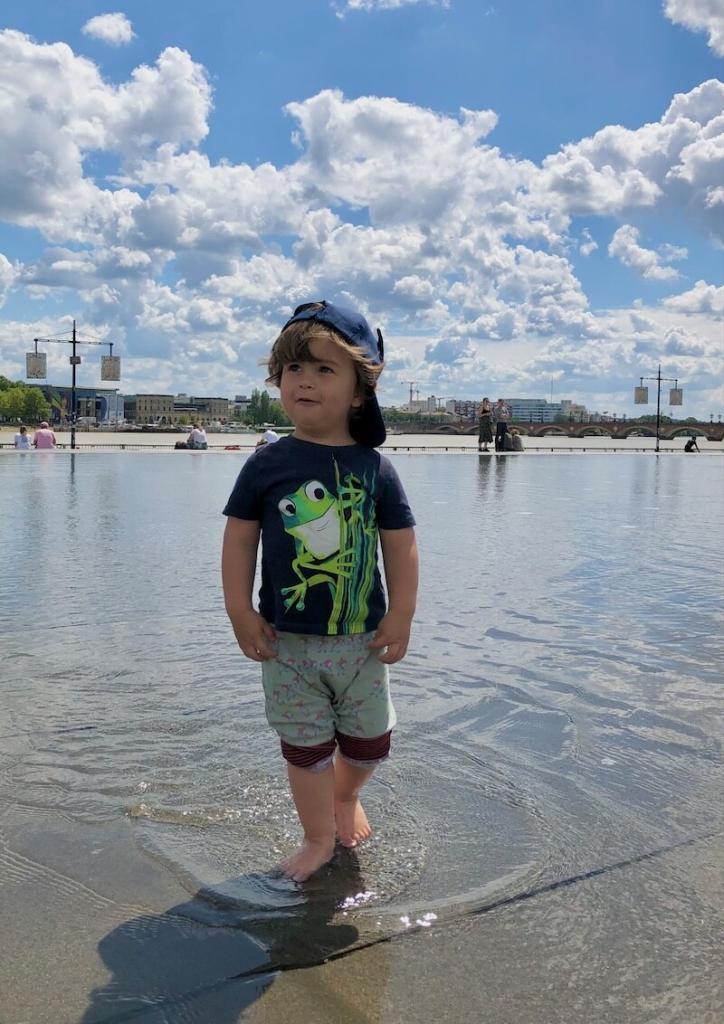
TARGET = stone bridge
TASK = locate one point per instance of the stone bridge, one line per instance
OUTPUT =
(618, 430)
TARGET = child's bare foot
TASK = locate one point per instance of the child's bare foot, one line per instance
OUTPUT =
(352, 824)
(310, 857)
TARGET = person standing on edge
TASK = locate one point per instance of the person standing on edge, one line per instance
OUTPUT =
(44, 437)
(21, 440)
(485, 425)
(501, 414)
(320, 499)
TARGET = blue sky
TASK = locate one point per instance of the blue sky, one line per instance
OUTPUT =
(495, 237)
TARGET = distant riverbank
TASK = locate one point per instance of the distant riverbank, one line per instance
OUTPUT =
(451, 443)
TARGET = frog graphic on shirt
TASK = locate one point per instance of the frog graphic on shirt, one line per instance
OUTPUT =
(335, 546)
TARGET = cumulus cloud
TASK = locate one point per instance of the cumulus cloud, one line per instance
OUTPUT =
(700, 16)
(387, 5)
(680, 342)
(677, 162)
(643, 324)
(588, 243)
(115, 28)
(702, 298)
(57, 109)
(452, 245)
(625, 247)
(8, 276)
(401, 161)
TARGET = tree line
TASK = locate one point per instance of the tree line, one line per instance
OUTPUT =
(20, 403)
(265, 409)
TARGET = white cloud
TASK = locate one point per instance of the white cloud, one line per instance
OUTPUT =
(452, 244)
(677, 162)
(57, 109)
(700, 16)
(680, 342)
(402, 162)
(588, 245)
(642, 324)
(8, 276)
(387, 5)
(702, 298)
(115, 28)
(624, 247)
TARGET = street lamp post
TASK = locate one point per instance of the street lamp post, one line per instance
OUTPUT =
(641, 396)
(74, 362)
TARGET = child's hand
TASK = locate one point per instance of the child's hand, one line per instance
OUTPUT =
(255, 635)
(393, 633)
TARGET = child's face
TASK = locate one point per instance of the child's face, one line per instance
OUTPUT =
(319, 396)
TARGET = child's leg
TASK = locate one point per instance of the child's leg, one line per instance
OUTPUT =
(356, 761)
(352, 824)
(313, 793)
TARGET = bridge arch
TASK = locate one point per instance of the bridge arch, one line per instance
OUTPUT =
(687, 432)
(640, 431)
(593, 432)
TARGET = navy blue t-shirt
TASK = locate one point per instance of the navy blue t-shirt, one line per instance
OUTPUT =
(320, 508)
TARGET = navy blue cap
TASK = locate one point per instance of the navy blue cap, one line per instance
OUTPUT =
(366, 424)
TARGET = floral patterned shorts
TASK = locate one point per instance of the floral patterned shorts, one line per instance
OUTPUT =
(319, 685)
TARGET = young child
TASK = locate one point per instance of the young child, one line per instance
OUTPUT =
(321, 499)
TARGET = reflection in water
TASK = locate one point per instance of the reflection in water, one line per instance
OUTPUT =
(560, 706)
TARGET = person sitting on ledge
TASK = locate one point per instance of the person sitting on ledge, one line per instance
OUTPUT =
(197, 438)
(691, 445)
(22, 441)
(44, 437)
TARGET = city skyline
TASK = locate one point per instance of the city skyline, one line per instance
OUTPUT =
(518, 194)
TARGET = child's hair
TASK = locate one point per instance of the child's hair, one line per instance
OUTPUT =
(292, 346)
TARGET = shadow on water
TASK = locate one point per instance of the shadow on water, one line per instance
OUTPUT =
(207, 960)
(210, 958)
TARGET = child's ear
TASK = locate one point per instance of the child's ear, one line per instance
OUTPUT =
(357, 401)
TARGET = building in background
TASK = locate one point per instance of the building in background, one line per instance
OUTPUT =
(202, 410)
(101, 405)
(464, 408)
(149, 409)
(573, 412)
(240, 406)
(533, 410)
(424, 405)
(166, 410)
(524, 410)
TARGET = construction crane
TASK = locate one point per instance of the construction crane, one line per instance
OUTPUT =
(412, 384)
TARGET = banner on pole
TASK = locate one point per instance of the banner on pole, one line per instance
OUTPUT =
(110, 367)
(676, 396)
(36, 365)
(641, 396)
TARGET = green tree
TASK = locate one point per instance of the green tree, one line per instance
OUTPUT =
(35, 405)
(11, 404)
(651, 418)
(252, 413)
(264, 407)
(277, 416)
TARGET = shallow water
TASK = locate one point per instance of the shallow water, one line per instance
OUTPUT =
(560, 709)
